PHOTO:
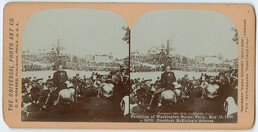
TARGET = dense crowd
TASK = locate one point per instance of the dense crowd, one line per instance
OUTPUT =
(50, 60)
(157, 59)
(106, 97)
(212, 94)
(205, 67)
(141, 64)
(93, 66)
(138, 67)
(144, 68)
(35, 67)
(97, 97)
(78, 67)
(46, 57)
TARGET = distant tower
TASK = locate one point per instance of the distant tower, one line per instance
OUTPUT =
(58, 48)
(220, 57)
(110, 56)
(168, 47)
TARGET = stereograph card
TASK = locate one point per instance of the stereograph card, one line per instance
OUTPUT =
(128, 65)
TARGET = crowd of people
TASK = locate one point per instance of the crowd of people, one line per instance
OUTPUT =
(202, 67)
(94, 98)
(138, 67)
(144, 68)
(141, 64)
(78, 66)
(94, 66)
(50, 60)
(212, 94)
(35, 67)
(157, 59)
(106, 97)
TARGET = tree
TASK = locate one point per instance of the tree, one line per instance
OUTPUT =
(126, 38)
(185, 60)
(235, 38)
(75, 59)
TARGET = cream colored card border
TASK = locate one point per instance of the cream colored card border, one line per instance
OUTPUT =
(241, 14)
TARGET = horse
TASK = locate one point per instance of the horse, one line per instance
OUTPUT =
(66, 95)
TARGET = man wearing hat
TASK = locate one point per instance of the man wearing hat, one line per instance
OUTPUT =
(119, 91)
(59, 78)
(184, 80)
(36, 90)
(167, 79)
(49, 82)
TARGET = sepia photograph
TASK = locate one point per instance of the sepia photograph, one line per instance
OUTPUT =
(184, 67)
(75, 66)
(88, 65)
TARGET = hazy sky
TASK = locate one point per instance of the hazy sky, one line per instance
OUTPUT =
(81, 31)
(193, 32)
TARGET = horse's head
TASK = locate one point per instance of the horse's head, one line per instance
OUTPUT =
(116, 78)
(68, 84)
(96, 84)
(106, 90)
(211, 91)
(177, 92)
(168, 97)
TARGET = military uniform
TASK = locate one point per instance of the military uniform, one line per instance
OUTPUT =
(167, 80)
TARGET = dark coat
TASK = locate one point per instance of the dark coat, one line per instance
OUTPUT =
(224, 91)
(59, 79)
(167, 80)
